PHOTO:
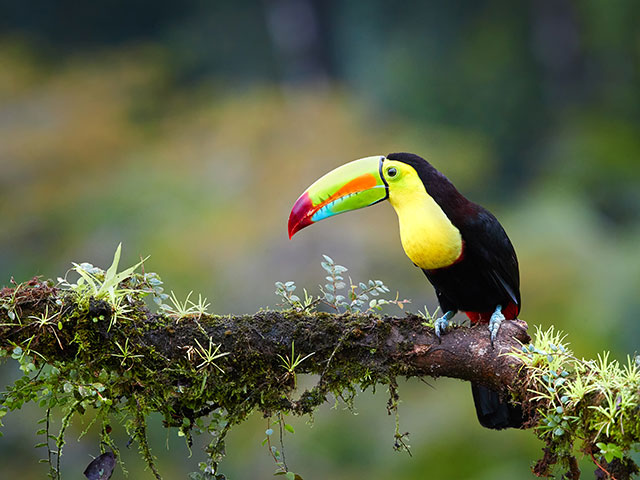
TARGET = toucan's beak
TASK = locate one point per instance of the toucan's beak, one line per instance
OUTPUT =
(354, 185)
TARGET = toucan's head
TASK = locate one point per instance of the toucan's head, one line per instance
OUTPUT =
(367, 181)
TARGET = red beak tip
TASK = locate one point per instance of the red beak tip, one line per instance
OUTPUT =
(296, 227)
(291, 229)
(299, 216)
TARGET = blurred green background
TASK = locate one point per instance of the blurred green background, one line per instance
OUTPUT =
(187, 129)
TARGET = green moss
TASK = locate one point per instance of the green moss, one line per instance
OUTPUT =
(579, 404)
(113, 359)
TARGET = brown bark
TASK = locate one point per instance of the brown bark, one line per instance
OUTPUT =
(385, 346)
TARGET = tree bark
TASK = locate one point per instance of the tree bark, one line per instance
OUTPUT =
(383, 346)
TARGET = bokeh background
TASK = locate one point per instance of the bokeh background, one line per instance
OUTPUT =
(187, 129)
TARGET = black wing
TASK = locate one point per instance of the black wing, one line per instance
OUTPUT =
(488, 243)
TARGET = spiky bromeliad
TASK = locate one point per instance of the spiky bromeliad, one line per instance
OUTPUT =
(459, 245)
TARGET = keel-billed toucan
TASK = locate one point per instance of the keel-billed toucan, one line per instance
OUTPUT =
(460, 246)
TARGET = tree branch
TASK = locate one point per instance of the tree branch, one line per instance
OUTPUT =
(118, 357)
(386, 345)
(382, 345)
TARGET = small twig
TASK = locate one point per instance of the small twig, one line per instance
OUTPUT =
(284, 461)
(66, 421)
(271, 451)
(52, 471)
(593, 459)
(392, 406)
(141, 434)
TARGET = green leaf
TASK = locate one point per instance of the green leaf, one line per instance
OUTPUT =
(291, 476)
(289, 428)
(111, 271)
(84, 391)
(86, 277)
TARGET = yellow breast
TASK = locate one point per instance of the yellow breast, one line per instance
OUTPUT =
(428, 237)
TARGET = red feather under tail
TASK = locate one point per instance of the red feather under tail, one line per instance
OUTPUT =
(510, 312)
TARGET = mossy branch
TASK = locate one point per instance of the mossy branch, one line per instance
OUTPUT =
(346, 348)
(207, 372)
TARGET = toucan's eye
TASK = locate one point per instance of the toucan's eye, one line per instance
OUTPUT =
(392, 171)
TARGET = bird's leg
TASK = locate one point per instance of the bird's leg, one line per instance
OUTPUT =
(441, 324)
(494, 324)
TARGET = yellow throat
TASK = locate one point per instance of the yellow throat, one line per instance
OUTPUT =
(428, 237)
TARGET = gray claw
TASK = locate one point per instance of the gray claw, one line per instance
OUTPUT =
(441, 324)
(494, 324)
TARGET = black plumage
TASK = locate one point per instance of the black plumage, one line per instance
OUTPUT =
(484, 276)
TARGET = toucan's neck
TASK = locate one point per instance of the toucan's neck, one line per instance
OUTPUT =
(429, 238)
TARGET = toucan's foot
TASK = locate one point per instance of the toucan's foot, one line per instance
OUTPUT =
(494, 324)
(441, 324)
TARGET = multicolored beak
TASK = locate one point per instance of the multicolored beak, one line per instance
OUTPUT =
(354, 185)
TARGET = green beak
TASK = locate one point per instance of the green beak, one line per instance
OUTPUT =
(354, 185)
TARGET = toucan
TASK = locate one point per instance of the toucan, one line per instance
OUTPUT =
(459, 245)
